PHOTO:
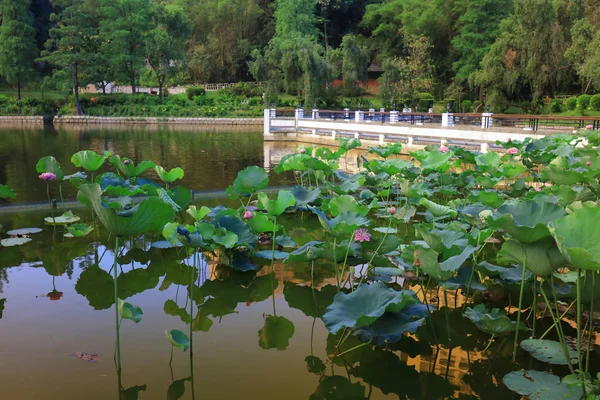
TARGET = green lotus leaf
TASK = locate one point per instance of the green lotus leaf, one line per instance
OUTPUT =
(492, 322)
(307, 252)
(276, 333)
(348, 143)
(542, 257)
(175, 391)
(277, 207)
(225, 238)
(171, 176)
(130, 170)
(313, 364)
(88, 160)
(49, 164)
(285, 241)
(428, 261)
(437, 210)
(305, 196)
(540, 385)
(23, 231)
(338, 387)
(559, 175)
(272, 255)
(442, 240)
(365, 305)
(511, 275)
(393, 166)
(181, 196)
(178, 339)
(346, 203)
(79, 230)
(151, 215)
(405, 213)
(232, 223)
(391, 326)
(577, 237)
(489, 161)
(548, 351)
(19, 241)
(312, 302)
(437, 161)
(65, 219)
(486, 197)
(385, 229)
(248, 181)
(293, 162)
(526, 221)
(6, 192)
(387, 150)
(576, 205)
(261, 223)
(198, 214)
(129, 311)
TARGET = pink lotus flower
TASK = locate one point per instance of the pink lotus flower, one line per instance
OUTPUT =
(47, 176)
(127, 162)
(362, 235)
(589, 127)
(512, 150)
(392, 210)
(444, 149)
(303, 151)
(248, 214)
(588, 163)
(538, 189)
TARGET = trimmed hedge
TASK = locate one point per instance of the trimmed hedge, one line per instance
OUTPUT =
(595, 102)
(583, 102)
(571, 103)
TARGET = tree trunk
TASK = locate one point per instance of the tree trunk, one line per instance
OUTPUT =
(160, 90)
(325, 34)
(18, 89)
(76, 89)
(132, 80)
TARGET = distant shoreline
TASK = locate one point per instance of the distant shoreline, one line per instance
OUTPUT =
(91, 120)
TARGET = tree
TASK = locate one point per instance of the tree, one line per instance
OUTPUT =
(17, 42)
(125, 25)
(165, 42)
(407, 76)
(354, 63)
(69, 45)
(479, 29)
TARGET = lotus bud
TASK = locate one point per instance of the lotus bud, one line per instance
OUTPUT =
(512, 150)
(444, 149)
(127, 162)
(588, 163)
(392, 210)
(247, 214)
(484, 215)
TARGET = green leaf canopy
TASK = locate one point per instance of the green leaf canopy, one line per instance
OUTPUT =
(577, 237)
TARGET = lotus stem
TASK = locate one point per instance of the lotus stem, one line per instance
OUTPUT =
(446, 307)
(560, 318)
(355, 347)
(558, 327)
(579, 359)
(62, 200)
(273, 246)
(516, 343)
(116, 289)
(591, 329)
(335, 264)
(489, 343)
(534, 308)
(346, 257)
(50, 201)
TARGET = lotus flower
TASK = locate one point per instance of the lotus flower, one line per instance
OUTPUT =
(392, 210)
(127, 162)
(303, 151)
(512, 150)
(362, 235)
(588, 163)
(538, 189)
(247, 214)
(444, 149)
(47, 176)
(589, 127)
(55, 295)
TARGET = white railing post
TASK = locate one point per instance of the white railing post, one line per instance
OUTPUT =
(447, 120)
(484, 147)
(486, 120)
(381, 138)
(273, 113)
(356, 135)
(359, 116)
(315, 113)
(267, 122)
(371, 114)
(346, 114)
(333, 134)
(393, 117)
(299, 113)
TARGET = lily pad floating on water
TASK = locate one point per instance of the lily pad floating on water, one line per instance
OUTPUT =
(88, 357)
(78, 230)
(23, 231)
(540, 385)
(492, 322)
(548, 351)
(19, 241)
(178, 339)
(65, 219)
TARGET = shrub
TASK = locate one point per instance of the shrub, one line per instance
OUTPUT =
(556, 105)
(195, 91)
(201, 101)
(425, 101)
(467, 106)
(255, 101)
(571, 103)
(595, 102)
(179, 100)
(583, 102)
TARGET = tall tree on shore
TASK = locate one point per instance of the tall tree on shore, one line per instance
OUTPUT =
(165, 42)
(125, 25)
(68, 48)
(17, 42)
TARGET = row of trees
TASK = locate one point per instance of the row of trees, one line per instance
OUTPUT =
(492, 50)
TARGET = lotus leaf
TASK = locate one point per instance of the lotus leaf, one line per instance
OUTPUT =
(178, 339)
(527, 220)
(428, 262)
(6, 192)
(387, 150)
(79, 230)
(88, 160)
(198, 214)
(365, 305)
(151, 215)
(540, 385)
(272, 255)
(304, 196)
(245, 237)
(437, 210)
(261, 223)
(491, 322)
(391, 326)
(23, 231)
(248, 181)
(129, 311)
(437, 161)
(276, 333)
(577, 237)
(548, 351)
(542, 257)
(277, 207)
(346, 203)
(19, 241)
(65, 219)
(130, 170)
(171, 176)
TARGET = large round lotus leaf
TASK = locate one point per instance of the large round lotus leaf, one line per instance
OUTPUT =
(392, 326)
(6, 192)
(365, 305)
(437, 210)
(79, 230)
(23, 231)
(491, 322)
(50, 164)
(577, 237)
(88, 160)
(272, 255)
(540, 385)
(65, 219)
(277, 207)
(428, 262)
(387, 150)
(235, 225)
(130, 170)
(542, 257)
(276, 333)
(526, 221)
(346, 203)
(305, 196)
(437, 161)
(249, 181)
(178, 339)
(548, 351)
(171, 176)
(14, 242)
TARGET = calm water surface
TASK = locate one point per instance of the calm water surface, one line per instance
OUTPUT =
(56, 299)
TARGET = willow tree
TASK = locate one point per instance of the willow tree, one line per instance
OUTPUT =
(17, 42)
(354, 64)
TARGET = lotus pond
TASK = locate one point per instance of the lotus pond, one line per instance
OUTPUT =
(452, 274)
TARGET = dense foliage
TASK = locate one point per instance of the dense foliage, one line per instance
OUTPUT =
(498, 52)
